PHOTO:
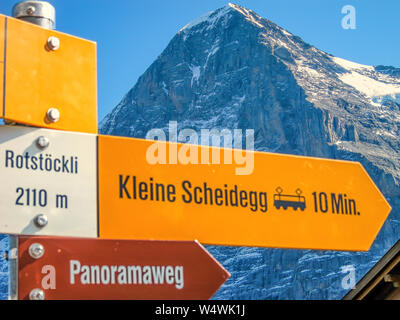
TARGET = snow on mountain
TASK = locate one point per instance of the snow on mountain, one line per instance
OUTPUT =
(365, 79)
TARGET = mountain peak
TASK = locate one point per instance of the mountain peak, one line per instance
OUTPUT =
(212, 17)
(248, 14)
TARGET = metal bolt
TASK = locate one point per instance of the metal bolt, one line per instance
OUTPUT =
(42, 142)
(36, 294)
(30, 10)
(41, 220)
(36, 250)
(53, 43)
(53, 115)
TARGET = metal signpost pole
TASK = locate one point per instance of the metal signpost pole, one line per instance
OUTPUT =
(42, 14)
(12, 257)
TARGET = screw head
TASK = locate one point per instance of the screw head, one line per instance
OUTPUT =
(30, 10)
(36, 294)
(53, 115)
(42, 142)
(36, 250)
(53, 43)
(41, 220)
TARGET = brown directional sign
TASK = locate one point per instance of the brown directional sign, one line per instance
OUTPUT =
(76, 268)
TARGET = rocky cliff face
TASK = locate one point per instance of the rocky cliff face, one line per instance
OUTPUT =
(233, 69)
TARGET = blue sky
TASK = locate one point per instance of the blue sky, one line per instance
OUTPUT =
(130, 34)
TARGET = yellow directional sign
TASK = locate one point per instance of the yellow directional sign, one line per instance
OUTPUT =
(2, 64)
(47, 78)
(282, 201)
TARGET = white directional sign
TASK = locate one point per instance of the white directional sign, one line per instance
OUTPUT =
(48, 182)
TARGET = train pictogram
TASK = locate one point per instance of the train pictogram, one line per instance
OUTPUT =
(286, 200)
